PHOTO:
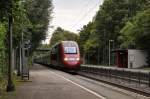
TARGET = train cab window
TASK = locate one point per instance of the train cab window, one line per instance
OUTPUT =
(70, 50)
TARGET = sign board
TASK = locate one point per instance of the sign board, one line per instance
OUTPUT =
(25, 67)
(131, 57)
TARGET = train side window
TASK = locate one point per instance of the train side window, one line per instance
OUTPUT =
(53, 51)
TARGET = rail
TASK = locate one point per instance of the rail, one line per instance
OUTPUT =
(136, 79)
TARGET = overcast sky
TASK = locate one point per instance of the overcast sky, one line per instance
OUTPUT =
(73, 14)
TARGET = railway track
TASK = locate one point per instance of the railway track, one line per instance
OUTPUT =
(134, 85)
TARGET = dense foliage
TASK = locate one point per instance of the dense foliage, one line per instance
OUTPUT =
(136, 32)
(108, 24)
(62, 35)
(39, 15)
(30, 20)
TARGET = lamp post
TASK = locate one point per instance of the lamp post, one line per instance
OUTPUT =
(109, 49)
(10, 85)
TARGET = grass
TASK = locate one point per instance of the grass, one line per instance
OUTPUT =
(148, 68)
(7, 95)
(3, 84)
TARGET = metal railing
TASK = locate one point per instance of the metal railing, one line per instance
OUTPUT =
(136, 79)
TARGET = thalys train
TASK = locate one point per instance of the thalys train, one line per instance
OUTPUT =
(64, 54)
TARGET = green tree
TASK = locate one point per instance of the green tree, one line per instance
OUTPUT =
(2, 50)
(62, 35)
(109, 21)
(38, 13)
(137, 32)
(30, 17)
(85, 35)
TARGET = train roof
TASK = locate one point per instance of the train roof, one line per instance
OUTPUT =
(62, 42)
(68, 41)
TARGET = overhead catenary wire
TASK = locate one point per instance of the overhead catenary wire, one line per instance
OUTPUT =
(85, 15)
(82, 10)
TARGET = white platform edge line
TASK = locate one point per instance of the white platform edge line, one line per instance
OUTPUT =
(90, 91)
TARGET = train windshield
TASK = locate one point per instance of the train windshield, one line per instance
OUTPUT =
(70, 50)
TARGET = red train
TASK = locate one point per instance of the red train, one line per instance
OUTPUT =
(64, 54)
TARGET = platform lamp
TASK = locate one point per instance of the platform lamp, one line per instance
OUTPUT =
(10, 85)
(110, 41)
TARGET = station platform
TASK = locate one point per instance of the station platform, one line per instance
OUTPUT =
(45, 84)
(48, 83)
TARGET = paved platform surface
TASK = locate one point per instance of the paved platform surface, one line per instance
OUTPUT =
(47, 83)
(44, 84)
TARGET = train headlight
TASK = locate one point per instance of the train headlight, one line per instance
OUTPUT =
(65, 59)
(77, 59)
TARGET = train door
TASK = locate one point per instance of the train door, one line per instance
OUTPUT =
(57, 55)
(54, 56)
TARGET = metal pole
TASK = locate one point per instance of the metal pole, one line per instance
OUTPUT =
(113, 60)
(22, 54)
(98, 56)
(109, 49)
(10, 86)
(20, 61)
(149, 79)
(109, 52)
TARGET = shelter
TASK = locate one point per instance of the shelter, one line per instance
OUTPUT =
(131, 58)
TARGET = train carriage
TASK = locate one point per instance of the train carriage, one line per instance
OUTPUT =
(65, 54)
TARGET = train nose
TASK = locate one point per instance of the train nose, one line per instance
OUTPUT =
(71, 59)
(72, 62)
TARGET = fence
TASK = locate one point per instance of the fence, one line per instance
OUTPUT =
(136, 79)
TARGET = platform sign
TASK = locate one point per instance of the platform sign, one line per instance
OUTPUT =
(131, 60)
(25, 67)
(131, 57)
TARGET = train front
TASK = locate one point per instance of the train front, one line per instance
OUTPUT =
(71, 55)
